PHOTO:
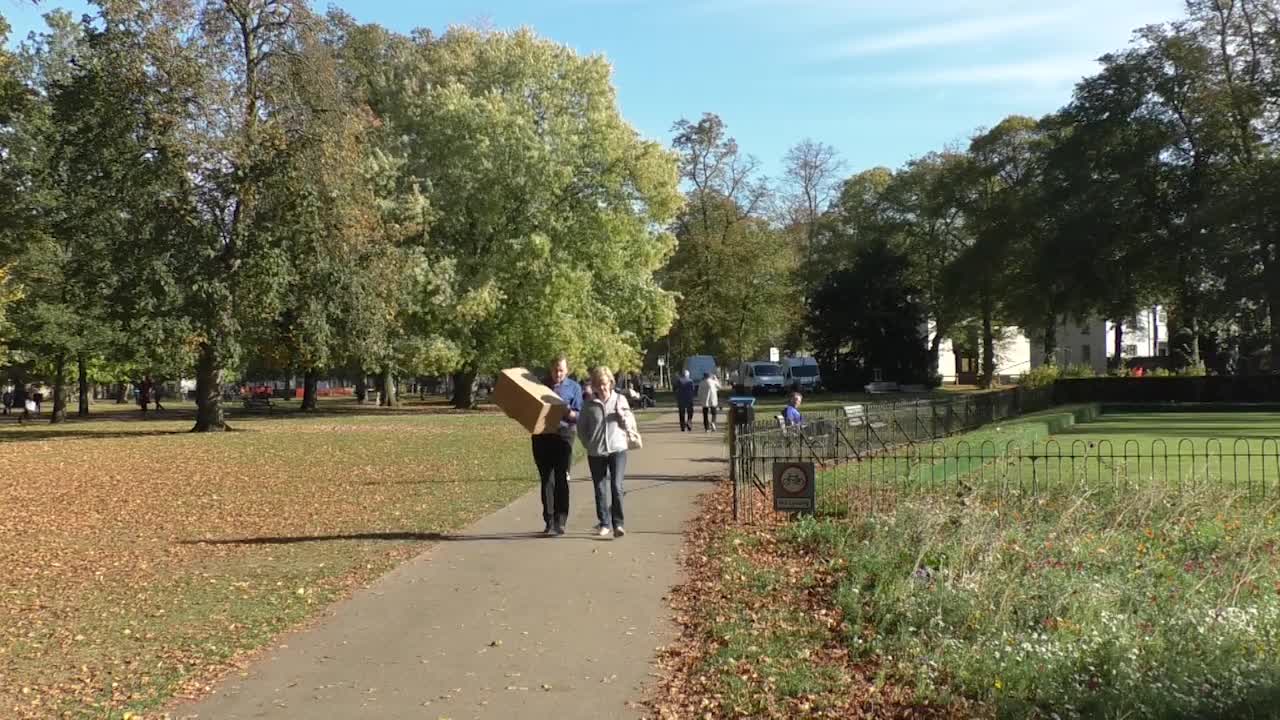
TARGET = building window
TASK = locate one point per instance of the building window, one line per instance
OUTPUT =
(1130, 350)
(1086, 354)
(1162, 349)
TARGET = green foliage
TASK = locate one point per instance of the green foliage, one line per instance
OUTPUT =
(1082, 605)
(1078, 371)
(879, 329)
(1039, 377)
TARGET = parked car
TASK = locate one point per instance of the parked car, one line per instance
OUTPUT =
(760, 377)
(801, 373)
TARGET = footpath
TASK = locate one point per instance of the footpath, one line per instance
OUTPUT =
(498, 621)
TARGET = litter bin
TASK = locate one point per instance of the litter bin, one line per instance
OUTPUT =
(742, 410)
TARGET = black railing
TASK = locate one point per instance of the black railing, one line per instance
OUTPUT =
(860, 431)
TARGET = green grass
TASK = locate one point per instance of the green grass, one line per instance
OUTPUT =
(137, 559)
(1101, 605)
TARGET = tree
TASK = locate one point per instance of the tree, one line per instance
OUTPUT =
(546, 204)
(865, 317)
(812, 180)
(733, 272)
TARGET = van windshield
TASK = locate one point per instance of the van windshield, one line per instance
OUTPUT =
(804, 371)
(768, 370)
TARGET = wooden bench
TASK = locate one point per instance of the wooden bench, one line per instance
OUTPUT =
(877, 388)
(856, 416)
(259, 403)
(912, 388)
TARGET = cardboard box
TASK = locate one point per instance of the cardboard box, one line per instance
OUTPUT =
(524, 398)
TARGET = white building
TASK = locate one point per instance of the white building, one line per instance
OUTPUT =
(1089, 342)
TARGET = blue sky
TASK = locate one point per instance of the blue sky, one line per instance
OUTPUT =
(882, 80)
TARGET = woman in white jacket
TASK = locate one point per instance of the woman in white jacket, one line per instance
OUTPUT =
(709, 399)
(602, 428)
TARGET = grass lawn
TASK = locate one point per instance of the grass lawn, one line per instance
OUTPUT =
(1078, 601)
(137, 560)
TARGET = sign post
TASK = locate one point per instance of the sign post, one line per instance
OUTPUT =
(794, 489)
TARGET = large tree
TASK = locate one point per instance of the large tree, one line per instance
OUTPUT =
(546, 204)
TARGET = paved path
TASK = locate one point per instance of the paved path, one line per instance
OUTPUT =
(497, 623)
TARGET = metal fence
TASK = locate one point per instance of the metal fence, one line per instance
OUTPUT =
(1248, 470)
(859, 432)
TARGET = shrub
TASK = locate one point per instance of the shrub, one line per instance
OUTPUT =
(1077, 371)
(1036, 378)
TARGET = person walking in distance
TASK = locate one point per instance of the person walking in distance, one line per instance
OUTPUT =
(553, 451)
(791, 415)
(603, 432)
(709, 399)
(8, 400)
(685, 392)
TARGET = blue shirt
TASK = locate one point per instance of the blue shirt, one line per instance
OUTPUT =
(792, 416)
(571, 393)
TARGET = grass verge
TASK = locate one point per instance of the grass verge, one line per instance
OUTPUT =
(138, 561)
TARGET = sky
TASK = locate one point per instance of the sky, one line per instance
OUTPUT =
(881, 80)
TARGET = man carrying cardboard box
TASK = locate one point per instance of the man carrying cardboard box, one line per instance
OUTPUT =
(553, 450)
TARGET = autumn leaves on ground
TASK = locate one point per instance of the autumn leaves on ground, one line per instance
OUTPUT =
(137, 561)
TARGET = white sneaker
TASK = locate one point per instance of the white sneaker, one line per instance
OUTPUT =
(605, 532)
(619, 531)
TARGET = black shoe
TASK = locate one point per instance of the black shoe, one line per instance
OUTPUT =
(559, 529)
(549, 529)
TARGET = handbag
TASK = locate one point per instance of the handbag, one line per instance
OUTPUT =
(628, 422)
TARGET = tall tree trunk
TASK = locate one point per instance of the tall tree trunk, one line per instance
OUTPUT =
(464, 389)
(83, 370)
(388, 382)
(209, 393)
(362, 390)
(988, 340)
(59, 413)
(1119, 354)
(1273, 304)
(122, 393)
(1155, 331)
(309, 382)
(1050, 347)
(19, 390)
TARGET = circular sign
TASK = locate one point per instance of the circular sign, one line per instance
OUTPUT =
(662, 361)
(794, 480)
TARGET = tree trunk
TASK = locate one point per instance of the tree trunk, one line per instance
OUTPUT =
(1050, 347)
(83, 370)
(388, 382)
(309, 381)
(988, 341)
(122, 393)
(464, 390)
(361, 389)
(1119, 354)
(59, 413)
(19, 390)
(209, 393)
(1155, 331)
(1273, 305)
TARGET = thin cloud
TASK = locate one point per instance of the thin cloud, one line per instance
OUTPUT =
(959, 32)
(1044, 73)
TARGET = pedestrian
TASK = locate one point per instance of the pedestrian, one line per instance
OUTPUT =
(603, 431)
(8, 400)
(709, 399)
(29, 408)
(144, 393)
(38, 397)
(791, 415)
(155, 393)
(685, 391)
(553, 451)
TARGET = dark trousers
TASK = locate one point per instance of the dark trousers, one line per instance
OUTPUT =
(607, 473)
(708, 416)
(553, 454)
(686, 417)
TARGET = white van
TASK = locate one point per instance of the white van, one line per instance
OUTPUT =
(699, 366)
(759, 377)
(801, 373)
